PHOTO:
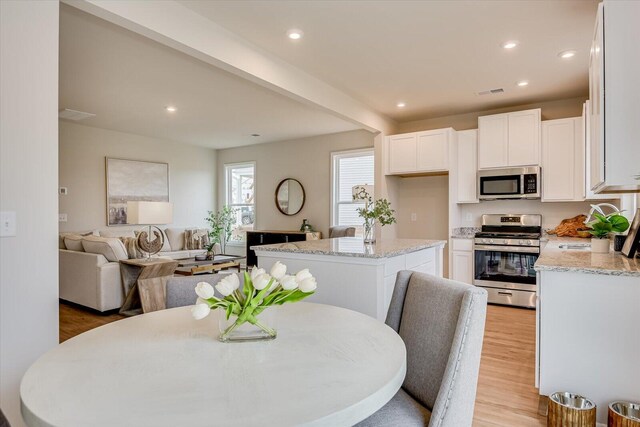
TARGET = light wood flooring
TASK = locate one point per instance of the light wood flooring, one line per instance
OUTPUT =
(506, 394)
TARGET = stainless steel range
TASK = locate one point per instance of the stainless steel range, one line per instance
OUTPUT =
(505, 251)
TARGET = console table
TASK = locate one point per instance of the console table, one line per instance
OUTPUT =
(144, 284)
(268, 237)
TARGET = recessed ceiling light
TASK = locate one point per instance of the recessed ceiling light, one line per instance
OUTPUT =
(171, 108)
(401, 105)
(522, 83)
(295, 34)
(566, 54)
(510, 44)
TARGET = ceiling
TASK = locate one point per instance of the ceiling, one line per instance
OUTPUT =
(433, 55)
(127, 80)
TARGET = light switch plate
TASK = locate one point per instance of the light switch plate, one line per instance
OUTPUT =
(7, 224)
(414, 217)
(62, 217)
(64, 191)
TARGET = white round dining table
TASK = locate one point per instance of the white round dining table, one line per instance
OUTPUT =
(328, 366)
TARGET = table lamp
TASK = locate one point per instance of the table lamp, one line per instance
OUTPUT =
(150, 214)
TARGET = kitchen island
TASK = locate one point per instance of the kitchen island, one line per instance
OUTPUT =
(352, 274)
(588, 323)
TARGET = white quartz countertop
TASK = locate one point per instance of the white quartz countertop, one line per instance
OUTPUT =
(353, 247)
(555, 258)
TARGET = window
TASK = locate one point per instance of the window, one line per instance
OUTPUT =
(240, 195)
(350, 168)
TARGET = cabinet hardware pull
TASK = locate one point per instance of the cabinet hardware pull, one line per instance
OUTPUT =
(504, 293)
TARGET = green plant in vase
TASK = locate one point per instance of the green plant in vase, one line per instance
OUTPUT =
(379, 211)
(221, 224)
(603, 225)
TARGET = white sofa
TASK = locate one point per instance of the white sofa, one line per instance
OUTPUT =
(94, 281)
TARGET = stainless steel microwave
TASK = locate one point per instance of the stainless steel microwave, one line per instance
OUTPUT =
(511, 183)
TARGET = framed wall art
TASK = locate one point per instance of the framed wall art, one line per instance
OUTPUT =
(133, 180)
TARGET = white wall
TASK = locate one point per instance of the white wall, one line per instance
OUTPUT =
(192, 174)
(426, 197)
(307, 160)
(28, 181)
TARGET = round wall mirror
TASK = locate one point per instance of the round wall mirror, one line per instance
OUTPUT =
(290, 196)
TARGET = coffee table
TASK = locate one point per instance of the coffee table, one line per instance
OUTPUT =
(191, 267)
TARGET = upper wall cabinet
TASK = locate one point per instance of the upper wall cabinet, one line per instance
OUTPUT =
(563, 160)
(467, 180)
(509, 139)
(419, 152)
(614, 67)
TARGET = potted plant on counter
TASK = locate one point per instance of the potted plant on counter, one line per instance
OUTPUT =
(379, 211)
(603, 225)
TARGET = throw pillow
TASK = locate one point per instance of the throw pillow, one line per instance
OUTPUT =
(73, 242)
(117, 233)
(132, 248)
(112, 248)
(196, 238)
(175, 236)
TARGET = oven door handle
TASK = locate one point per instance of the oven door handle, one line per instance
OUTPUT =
(518, 249)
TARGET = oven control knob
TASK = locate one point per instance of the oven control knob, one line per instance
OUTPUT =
(490, 240)
(521, 242)
(529, 242)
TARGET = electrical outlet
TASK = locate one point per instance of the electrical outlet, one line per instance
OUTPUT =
(414, 217)
(64, 191)
(7, 224)
(62, 217)
(468, 217)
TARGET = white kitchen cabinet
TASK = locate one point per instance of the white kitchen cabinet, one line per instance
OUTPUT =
(493, 135)
(563, 160)
(432, 153)
(419, 152)
(588, 192)
(467, 166)
(509, 139)
(462, 260)
(402, 153)
(614, 86)
(524, 138)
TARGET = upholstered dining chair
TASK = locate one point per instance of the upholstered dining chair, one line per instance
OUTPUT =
(442, 325)
(181, 289)
(341, 231)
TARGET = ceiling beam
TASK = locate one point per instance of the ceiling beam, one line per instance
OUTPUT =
(172, 24)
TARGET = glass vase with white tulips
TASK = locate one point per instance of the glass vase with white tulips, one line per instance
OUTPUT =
(243, 306)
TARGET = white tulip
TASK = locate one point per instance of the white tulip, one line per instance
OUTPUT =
(255, 272)
(308, 285)
(278, 270)
(204, 290)
(232, 280)
(288, 282)
(261, 281)
(303, 274)
(225, 287)
(200, 311)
